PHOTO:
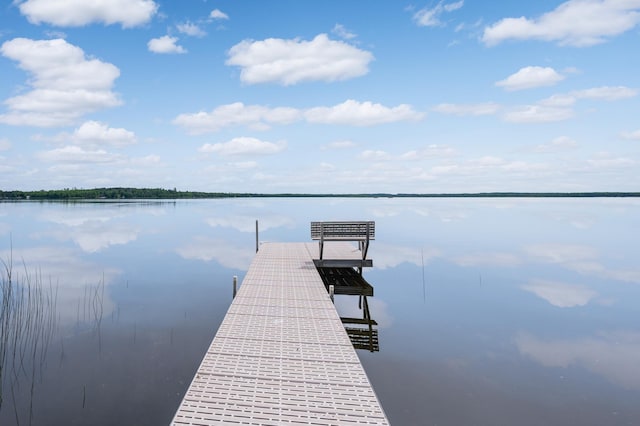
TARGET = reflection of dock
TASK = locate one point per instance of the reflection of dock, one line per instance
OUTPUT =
(281, 354)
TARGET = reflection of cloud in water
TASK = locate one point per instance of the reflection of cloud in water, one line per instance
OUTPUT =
(613, 355)
(224, 252)
(560, 294)
(95, 236)
(488, 259)
(4, 228)
(66, 272)
(73, 217)
(248, 223)
(581, 259)
(347, 306)
(389, 256)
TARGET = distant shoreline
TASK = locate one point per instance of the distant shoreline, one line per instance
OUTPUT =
(168, 194)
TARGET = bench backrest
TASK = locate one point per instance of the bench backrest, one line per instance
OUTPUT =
(345, 231)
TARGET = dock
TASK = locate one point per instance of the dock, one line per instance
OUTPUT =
(281, 355)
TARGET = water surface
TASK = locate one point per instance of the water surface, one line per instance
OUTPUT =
(490, 311)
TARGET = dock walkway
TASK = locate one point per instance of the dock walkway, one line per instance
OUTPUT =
(281, 355)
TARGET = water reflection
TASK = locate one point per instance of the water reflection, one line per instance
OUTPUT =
(560, 294)
(610, 354)
(27, 326)
(488, 311)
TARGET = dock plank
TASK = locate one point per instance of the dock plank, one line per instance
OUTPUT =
(281, 355)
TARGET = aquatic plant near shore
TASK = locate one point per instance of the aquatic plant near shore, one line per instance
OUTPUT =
(27, 325)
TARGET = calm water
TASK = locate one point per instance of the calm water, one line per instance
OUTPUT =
(490, 312)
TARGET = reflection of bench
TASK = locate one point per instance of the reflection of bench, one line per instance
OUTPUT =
(362, 232)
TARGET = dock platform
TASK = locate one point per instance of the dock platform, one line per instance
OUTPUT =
(281, 355)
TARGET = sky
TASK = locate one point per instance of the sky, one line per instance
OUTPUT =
(328, 96)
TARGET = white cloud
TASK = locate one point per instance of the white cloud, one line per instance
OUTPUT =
(76, 154)
(340, 145)
(430, 151)
(560, 294)
(218, 14)
(538, 114)
(165, 44)
(77, 13)
(606, 161)
(605, 93)
(260, 117)
(356, 113)
(430, 17)
(289, 62)
(191, 29)
(573, 23)
(631, 135)
(235, 114)
(94, 133)
(559, 144)
(530, 77)
(374, 155)
(244, 146)
(487, 108)
(559, 107)
(65, 84)
(342, 32)
(5, 145)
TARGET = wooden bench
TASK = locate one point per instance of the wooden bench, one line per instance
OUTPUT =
(362, 232)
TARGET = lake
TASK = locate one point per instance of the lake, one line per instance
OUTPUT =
(499, 311)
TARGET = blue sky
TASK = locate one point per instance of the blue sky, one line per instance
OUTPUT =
(327, 96)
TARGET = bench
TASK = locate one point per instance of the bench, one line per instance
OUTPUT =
(362, 232)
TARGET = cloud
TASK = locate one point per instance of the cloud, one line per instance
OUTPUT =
(165, 44)
(340, 145)
(605, 93)
(559, 144)
(76, 154)
(430, 151)
(218, 14)
(356, 113)
(430, 17)
(244, 146)
(578, 23)
(559, 107)
(538, 114)
(235, 114)
(631, 135)
(342, 32)
(94, 133)
(77, 13)
(191, 29)
(260, 117)
(5, 145)
(559, 294)
(289, 62)
(530, 77)
(487, 108)
(65, 84)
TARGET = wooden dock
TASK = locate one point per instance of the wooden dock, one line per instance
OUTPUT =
(281, 355)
